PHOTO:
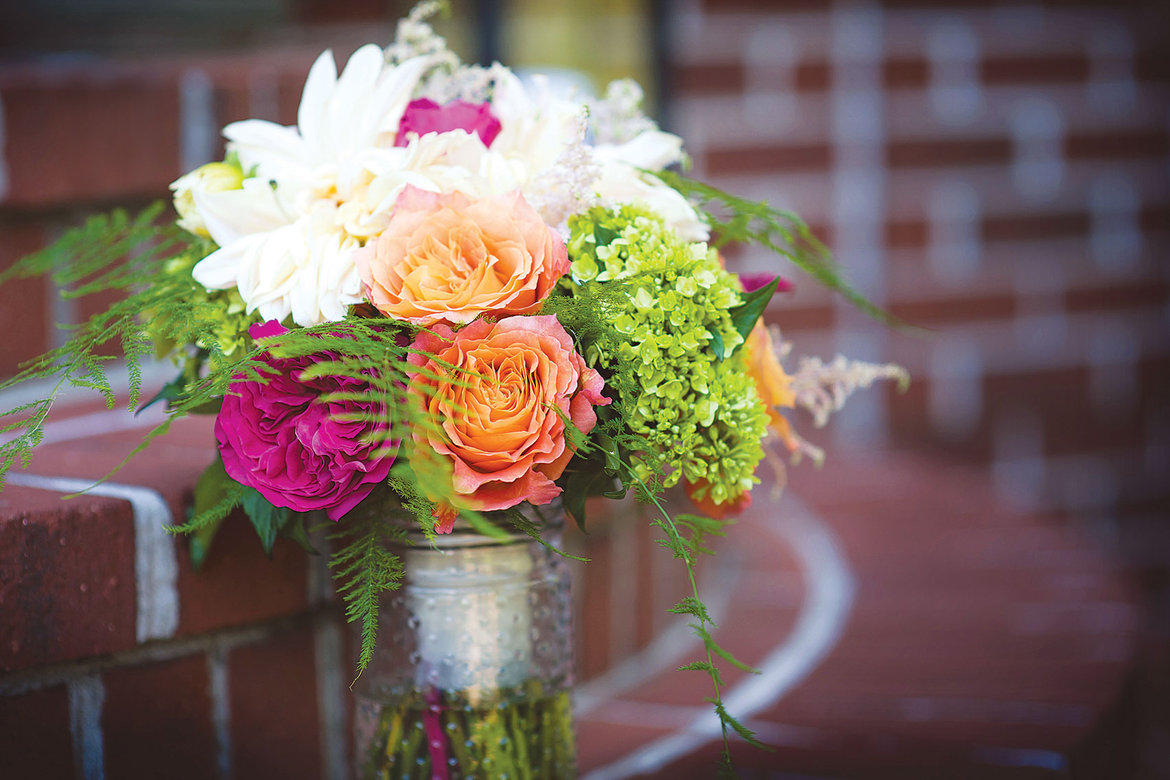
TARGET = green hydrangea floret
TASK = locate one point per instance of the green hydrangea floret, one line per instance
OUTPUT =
(683, 388)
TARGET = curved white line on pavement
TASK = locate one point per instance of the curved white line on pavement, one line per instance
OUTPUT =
(668, 648)
(818, 627)
(156, 568)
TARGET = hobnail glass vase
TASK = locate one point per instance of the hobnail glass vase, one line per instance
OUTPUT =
(471, 677)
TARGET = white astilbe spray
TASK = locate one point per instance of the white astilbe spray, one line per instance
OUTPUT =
(414, 37)
(473, 83)
(449, 79)
(566, 188)
(618, 117)
(822, 389)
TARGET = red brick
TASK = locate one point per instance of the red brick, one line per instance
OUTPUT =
(791, 317)
(905, 73)
(1040, 68)
(1117, 145)
(291, 85)
(812, 76)
(1154, 219)
(910, 234)
(212, 597)
(35, 740)
(23, 302)
(768, 158)
(1028, 227)
(1115, 297)
(1153, 66)
(208, 599)
(938, 311)
(67, 586)
(733, 6)
(923, 153)
(600, 742)
(129, 146)
(274, 721)
(645, 611)
(705, 79)
(593, 629)
(157, 721)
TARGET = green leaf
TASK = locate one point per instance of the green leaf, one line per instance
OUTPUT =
(296, 531)
(692, 606)
(266, 518)
(717, 344)
(747, 734)
(576, 489)
(603, 235)
(589, 478)
(216, 495)
(171, 391)
(745, 316)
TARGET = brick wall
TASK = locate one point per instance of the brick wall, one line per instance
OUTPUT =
(118, 659)
(997, 173)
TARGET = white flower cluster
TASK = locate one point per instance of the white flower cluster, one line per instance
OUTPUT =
(618, 117)
(307, 197)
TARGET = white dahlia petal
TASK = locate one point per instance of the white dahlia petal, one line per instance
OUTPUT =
(274, 151)
(652, 150)
(315, 99)
(220, 269)
(234, 214)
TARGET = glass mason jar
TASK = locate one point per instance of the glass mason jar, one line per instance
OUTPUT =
(471, 677)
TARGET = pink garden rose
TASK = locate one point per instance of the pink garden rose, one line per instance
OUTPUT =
(424, 116)
(501, 429)
(282, 438)
(445, 257)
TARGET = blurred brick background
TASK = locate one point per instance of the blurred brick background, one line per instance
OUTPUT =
(998, 173)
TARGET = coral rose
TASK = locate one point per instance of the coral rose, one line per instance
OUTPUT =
(300, 450)
(501, 421)
(450, 258)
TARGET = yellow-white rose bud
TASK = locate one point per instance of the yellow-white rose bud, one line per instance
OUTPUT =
(212, 177)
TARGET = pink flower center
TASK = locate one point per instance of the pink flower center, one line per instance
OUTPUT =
(424, 116)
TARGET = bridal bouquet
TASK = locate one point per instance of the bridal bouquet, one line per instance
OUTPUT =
(460, 294)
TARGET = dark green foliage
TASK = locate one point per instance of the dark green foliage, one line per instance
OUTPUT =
(745, 316)
(216, 495)
(267, 519)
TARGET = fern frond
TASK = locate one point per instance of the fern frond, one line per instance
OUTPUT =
(365, 569)
(782, 232)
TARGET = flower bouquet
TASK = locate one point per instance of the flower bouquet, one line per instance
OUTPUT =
(444, 308)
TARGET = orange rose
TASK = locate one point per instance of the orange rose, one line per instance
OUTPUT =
(449, 258)
(503, 420)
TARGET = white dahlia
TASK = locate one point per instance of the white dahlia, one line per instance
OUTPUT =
(287, 237)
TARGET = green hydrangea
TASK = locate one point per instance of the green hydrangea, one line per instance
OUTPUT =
(217, 321)
(683, 388)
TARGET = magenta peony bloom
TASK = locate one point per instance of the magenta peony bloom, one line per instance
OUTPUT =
(424, 116)
(281, 438)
